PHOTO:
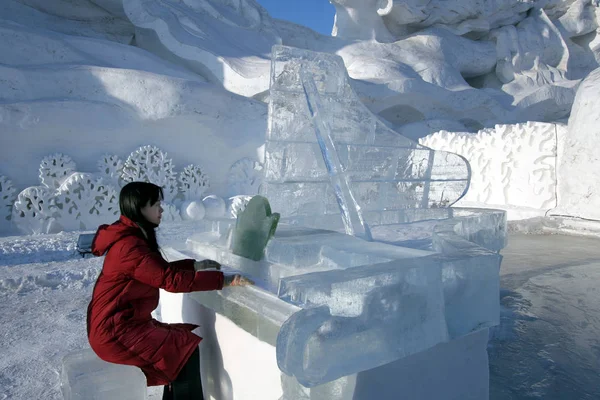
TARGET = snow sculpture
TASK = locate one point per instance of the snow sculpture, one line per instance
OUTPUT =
(150, 164)
(7, 198)
(245, 177)
(107, 205)
(460, 16)
(237, 204)
(239, 60)
(192, 210)
(111, 169)
(111, 91)
(193, 182)
(475, 18)
(54, 169)
(85, 202)
(32, 211)
(579, 154)
(81, 18)
(511, 165)
(215, 207)
(541, 85)
(170, 213)
(360, 19)
(399, 49)
(253, 229)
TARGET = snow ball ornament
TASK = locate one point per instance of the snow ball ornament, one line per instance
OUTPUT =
(192, 210)
(215, 206)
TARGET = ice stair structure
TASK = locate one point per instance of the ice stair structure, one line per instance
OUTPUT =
(370, 265)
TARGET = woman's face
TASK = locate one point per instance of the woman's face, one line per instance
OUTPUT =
(152, 212)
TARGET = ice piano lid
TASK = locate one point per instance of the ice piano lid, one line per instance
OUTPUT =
(337, 293)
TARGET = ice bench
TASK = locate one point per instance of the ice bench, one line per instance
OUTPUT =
(84, 376)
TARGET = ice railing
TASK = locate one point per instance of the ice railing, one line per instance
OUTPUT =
(335, 304)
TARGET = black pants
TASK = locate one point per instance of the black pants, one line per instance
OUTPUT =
(187, 385)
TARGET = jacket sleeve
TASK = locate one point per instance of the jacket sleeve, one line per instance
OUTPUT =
(153, 270)
(186, 265)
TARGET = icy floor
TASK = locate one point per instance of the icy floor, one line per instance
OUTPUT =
(548, 344)
(546, 348)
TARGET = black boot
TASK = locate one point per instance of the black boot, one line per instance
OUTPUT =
(188, 385)
(167, 393)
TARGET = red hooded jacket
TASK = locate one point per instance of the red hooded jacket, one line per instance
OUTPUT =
(120, 327)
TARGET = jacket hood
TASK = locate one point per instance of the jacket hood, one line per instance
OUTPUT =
(108, 235)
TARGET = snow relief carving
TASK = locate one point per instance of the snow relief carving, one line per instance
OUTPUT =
(237, 204)
(111, 169)
(71, 200)
(84, 201)
(54, 169)
(150, 164)
(193, 182)
(7, 198)
(32, 211)
(512, 165)
(245, 177)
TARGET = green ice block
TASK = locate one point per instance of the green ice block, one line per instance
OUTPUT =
(253, 229)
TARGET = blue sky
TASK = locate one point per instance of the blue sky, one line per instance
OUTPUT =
(316, 14)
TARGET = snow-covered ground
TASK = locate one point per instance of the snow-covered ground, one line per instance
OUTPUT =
(45, 287)
(547, 346)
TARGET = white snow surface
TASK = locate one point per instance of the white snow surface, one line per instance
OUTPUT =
(85, 97)
(579, 155)
(45, 288)
(87, 77)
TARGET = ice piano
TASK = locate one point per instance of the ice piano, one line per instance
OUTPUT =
(373, 287)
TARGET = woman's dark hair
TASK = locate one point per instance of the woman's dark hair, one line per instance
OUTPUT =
(133, 197)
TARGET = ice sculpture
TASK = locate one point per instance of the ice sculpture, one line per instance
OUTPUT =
(84, 376)
(253, 229)
(333, 304)
(386, 172)
(351, 213)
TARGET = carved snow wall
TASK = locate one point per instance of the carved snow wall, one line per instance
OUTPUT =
(7, 198)
(513, 166)
(70, 200)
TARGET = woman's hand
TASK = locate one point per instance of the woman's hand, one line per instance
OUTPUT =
(237, 280)
(206, 264)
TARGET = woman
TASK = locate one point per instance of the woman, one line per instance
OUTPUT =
(120, 327)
